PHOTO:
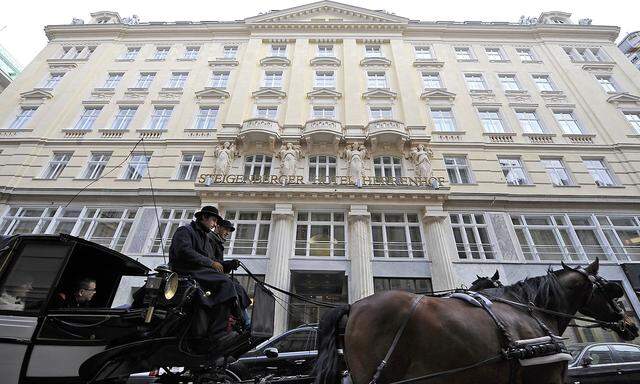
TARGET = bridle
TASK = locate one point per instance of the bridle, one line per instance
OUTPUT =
(598, 284)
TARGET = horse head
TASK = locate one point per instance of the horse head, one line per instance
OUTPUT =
(485, 282)
(601, 298)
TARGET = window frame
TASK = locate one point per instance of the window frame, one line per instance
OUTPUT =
(55, 166)
(470, 56)
(436, 116)
(324, 79)
(273, 79)
(21, 119)
(604, 168)
(455, 167)
(207, 121)
(136, 169)
(553, 171)
(192, 166)
(475, 75)
(121, 121)
(551, 84)
(332, 223)
(94, 168)
(407, 224)
(514, 77)
(482, 111)
(519, 168)
(88, 117)
(376, 78)
(467, 247)
(563, 123)
(394, 165)
(425, 84)
(263, 218)
(330, 163)
(220, 79)
(499, 51)
(178, 79)
(526, 127)
(189, 53)
(159, 118)
(425, 48)
(264, 166)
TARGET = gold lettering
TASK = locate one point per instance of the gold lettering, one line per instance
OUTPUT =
(218, 179)
(202, 178)
(413, 181)
(274, 179)
(299, 180)
(441, 180)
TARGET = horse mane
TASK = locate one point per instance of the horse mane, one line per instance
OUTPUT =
(543, 291)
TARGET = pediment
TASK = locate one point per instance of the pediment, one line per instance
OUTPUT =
(379, 94)
(36, 94)
(212, 93)
(438, 94)
(326, 11)
(620, 98)
(275, 60)
(375, 61)
(324, 93)
(271, 93)
(326, 61)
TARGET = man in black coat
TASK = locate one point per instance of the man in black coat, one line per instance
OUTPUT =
(192, 253)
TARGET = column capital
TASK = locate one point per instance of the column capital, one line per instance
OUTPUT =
(432, 214)
(358, 212)
(282, 211)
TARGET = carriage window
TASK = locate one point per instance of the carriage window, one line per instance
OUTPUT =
(28, 283)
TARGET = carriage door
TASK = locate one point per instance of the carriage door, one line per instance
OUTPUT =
(24, 288)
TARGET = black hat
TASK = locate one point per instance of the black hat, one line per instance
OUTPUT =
(208, 210)
(226, 224)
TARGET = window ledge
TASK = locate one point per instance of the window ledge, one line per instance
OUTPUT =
(7, 130)
(181, 180)
(579, 138)
(481, 92)
(138, 90)
(104, 90)
(467, 60)
(172, 89)
(75, 130)
(566, 186)
(516, 92)
(151, 130)
(183, 59)
(61, 60)
(129, 180)
(156, 60)
(125, 60)
(42, 178)
(506, 134)
(199, 129)
(532, 62)
(464, 184)
(611, 186)
(521, 185)
(449, 132)
(542, 134)
(500, 61)
(111, 130)
(634, 135)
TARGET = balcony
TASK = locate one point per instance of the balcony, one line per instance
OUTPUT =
(260, 129)
(322, 131)
(387, 132)
(499, 137)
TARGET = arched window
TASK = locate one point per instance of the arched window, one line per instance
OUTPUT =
(256, 166)
(322, 168)
(387, 166)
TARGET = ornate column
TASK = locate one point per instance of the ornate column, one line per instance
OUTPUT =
(280, 248)
(360, 253)
(442, 248)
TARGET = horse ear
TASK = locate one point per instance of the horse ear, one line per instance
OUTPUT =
(496, 276)
(566, 267)
(592, 269)
(478, 276)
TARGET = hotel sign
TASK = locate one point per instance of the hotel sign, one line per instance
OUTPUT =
(219, 179)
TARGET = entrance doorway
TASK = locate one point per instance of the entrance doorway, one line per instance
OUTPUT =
(328, 287)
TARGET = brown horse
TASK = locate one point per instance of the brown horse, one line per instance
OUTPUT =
(444, 333)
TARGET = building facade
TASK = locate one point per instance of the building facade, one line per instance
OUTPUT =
(9, 68)
(355, 150)
(630, 46)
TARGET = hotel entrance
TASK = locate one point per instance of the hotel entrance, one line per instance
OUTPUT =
(330, 287)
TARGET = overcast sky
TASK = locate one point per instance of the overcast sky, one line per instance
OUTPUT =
(22, 22)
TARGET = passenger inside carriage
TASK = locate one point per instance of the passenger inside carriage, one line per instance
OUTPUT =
(14, 296)
(81, 296)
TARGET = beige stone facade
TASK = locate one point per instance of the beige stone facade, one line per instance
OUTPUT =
(422, 153)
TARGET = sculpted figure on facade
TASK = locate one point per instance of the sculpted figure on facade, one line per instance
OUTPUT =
(289, 155)
(355, 155)
(225, 154)
(421, 157)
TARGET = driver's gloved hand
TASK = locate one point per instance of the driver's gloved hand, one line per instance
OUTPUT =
(234, 264)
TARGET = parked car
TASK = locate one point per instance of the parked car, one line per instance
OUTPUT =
(610, 363)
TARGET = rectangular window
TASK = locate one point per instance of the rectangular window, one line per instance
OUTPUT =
(471, 234)
(601, 174)
(219, 79)
(325, 51)
(622, 233)
(494, 54)
(322, 168)
(230, 52)
(509, 82)
(56, 165)
(53, 80)
(96, 165)
(475, 82)
(131, 53)
(634, 119)
(325, 79)
(387, 166)
(423, 53)
(372, 51)
(377, 113)
(397, 235)
(491, 121)
(273, 79)
(267, 112)
(543, 82)
(161, 53)
(463, 53)
(529, 121)
(513, 171)
(324, 112)
(191, 53)
(251, 237)
(189, 166)
(170, 220)
(458, 169)
(124, 117)
(443, 120)
(145, 80)
(107, 226)
(279, 50)
(178, 79)
(137, 167)
(606, 83)
(568, 122)
(88, 118)
(206, 118)
(557, 172)
(26, 220)
(413, 285)
(257, 166)
(431, 80)
(320, 234)
(525, 54)
(112, 80)
(77, 53)
(23, 117)
(376, 80)
(160, 117)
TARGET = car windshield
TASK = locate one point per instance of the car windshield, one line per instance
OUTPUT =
(575, 350)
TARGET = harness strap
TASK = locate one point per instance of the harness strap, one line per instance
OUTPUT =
(396, 338)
